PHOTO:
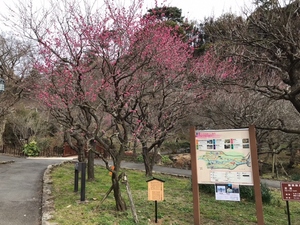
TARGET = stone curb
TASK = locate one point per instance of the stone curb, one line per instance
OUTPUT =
(6, 162)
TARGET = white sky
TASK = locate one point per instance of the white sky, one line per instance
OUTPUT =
(191, 9)
(198, 9)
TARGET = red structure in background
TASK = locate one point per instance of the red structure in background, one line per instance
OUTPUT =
(68, 151)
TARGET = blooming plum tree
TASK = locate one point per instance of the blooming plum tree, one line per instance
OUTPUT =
(115, 74)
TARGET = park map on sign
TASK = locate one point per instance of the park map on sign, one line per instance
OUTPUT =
(223, 156)
(221, 160)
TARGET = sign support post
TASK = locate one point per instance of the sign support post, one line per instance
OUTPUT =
(76, 177)
(256, 179)
(288, 212)
(155, 211)
(82, 187)
(195, 185)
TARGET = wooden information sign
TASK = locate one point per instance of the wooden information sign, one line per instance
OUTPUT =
(155, 189)
(211, 150)
(290, 191)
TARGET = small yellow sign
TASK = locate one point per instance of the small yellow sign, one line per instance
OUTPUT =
(155, 190)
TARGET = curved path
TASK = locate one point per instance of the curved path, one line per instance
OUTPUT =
(21, 189)
(21, 186)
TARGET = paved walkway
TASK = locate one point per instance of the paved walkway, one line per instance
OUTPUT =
(21, 189)
(21, 186)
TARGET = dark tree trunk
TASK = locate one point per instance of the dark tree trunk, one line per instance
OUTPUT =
(120, 203)
(81, 155)
(91, 171)
(134, 147)
(292, 158)
(148, 162)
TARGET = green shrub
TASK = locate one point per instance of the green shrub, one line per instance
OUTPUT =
(266, 194)
(207, 188)
(166, 160)
(247, 192)
(184, 144)
(295, 177)
(139, 158)
(175, 146)
(170, 145)
(31, 149)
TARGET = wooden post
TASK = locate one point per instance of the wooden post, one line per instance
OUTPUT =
(195, 186)
(273, 162)
(135, 217)
(256, 179)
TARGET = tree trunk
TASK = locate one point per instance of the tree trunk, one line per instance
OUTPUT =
(273, 162)
(134, 147)
(148, 162)
(81, 155)
(120, 203)
(2, 128)
(292, 158)
(91, 171)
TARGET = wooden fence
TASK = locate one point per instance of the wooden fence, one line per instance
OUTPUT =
(18, 151)
(64, 151)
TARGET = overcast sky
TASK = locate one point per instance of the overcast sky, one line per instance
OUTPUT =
(198, 9)
(191, 9)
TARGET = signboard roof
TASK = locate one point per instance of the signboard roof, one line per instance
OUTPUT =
(155, 179)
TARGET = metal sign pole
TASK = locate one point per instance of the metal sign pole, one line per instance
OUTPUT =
(76, 176)
(155, 211)
(82, 191)
(288, 212)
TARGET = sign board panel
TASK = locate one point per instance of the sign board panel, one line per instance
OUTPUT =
(290, 191)
(155, 190)
(223, 156)
(227, 192)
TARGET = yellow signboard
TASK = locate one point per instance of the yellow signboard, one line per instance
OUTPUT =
(155, 190)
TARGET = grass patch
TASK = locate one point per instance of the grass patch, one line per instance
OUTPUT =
(175, 209)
